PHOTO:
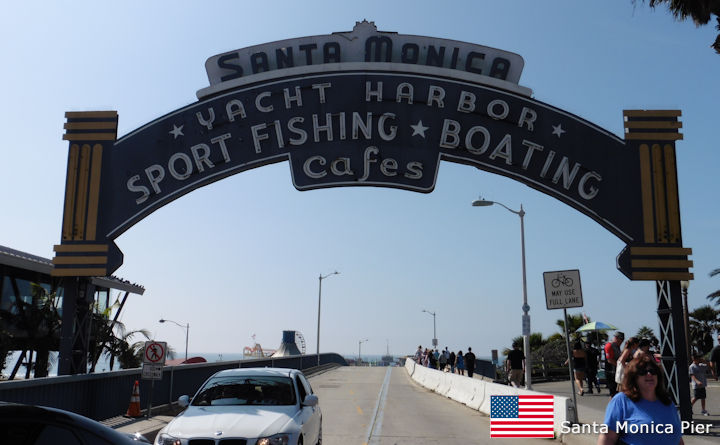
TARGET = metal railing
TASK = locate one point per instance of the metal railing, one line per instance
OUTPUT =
(104, 395)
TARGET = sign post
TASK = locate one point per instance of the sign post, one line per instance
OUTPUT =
(154, 356)
(562, 290)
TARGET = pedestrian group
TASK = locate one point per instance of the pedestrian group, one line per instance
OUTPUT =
(446, 361)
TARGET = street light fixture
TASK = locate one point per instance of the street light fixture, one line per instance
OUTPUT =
(320, 278)
(434, 340)
(187, 332)
(525, 307)
(360, 344)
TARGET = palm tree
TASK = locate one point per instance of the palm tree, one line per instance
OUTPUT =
(703, 321)
(128, 355)
(536, 342)
(574, 323)
(715, 295)
(699, 10)
(646, 332)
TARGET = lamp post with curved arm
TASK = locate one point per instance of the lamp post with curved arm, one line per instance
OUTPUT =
(320, 278)
(187, 332)
(360, 342)
(434, 340)
(525, 307)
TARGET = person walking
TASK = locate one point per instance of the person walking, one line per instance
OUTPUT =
(579, 358)
(515, 365)
(470, 362)
(591, 368)
(460, 363)
(715, 360)
(451, 361)
(443, 361)
(698, 375)
(612, 354)
(419, 355)
(627, 355)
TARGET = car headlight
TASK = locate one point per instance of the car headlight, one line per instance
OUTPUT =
(166, 439)
(278, 439)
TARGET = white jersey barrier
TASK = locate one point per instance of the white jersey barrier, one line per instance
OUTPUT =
(475, 393)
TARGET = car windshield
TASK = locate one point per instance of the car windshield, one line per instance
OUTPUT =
(246, 390)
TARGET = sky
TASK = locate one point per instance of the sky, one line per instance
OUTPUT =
(241, 257)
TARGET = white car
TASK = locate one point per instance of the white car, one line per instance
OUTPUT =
(251, 406)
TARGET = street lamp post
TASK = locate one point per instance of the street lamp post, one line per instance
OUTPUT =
(360, 344)
(434, 340)
(320, 278)
(187, 332)
(685, 285)
(525, 307)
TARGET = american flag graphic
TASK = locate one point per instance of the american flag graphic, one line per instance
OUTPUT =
(521, 416)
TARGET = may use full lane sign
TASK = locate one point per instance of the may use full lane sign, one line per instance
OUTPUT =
(562, 289)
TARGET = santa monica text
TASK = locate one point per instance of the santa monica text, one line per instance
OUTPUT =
(633, 428)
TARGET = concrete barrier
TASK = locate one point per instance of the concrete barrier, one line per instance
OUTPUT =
(445, 382)
(410, 367)
(461, 389)
(475, 393)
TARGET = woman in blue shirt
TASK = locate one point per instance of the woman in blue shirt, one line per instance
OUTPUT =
(643, 413)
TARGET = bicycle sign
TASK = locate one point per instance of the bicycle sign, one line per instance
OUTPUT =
(562, 289)
(562, 279)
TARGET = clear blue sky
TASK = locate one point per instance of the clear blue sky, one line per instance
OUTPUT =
(242, 256)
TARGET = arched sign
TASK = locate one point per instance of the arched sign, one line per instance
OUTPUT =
(377, 109)
(369, 108)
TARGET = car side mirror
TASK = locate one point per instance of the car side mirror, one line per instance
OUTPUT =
(310, 400)
(183, 401)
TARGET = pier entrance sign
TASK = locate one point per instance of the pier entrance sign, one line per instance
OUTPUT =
(371, 108)
(374, 108)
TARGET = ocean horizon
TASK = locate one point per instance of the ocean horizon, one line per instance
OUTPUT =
(103, 364)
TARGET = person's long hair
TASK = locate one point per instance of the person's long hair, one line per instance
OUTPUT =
(631, 343)
(630, 385)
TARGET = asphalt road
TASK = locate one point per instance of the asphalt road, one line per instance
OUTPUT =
(384, 406)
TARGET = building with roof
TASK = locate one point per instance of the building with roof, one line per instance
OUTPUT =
(31, 311)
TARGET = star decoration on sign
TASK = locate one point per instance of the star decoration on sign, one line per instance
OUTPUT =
(557, 130)
(419, 129)
(176, 131)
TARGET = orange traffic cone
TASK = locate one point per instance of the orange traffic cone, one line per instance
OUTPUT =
(134, 408)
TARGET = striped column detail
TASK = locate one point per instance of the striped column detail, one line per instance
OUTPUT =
(659, 255)
(661, 263)
(652, 125)
(80, 260)
(90, 134)
(656, 132)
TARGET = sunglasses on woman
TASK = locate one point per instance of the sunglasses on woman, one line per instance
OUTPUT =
(647, 370)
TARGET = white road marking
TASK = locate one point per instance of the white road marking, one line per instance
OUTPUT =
(376, 425)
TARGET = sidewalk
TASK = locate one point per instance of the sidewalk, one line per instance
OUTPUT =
(149, 428)
(591, 409)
